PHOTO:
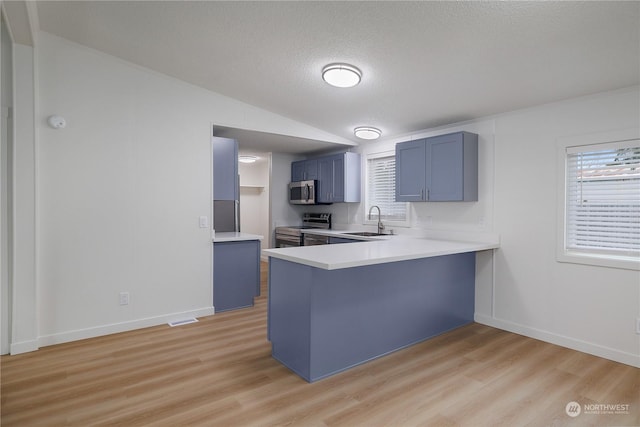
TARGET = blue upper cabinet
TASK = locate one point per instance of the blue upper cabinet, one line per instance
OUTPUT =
(297, 170)
(338, 176)
(225, 169)
(325, 182)
(339, 171)
(411, 173)
(304, 170)
(443, 168)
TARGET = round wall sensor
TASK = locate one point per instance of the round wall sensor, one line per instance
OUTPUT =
(57, 122)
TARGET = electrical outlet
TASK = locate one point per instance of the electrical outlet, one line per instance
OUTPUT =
(638, 325)
(124, 298)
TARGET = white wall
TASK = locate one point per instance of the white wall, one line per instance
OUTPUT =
(120, 191)
(584, 307)
(254, 199)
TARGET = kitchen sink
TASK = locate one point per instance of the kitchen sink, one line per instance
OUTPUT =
(366, 233)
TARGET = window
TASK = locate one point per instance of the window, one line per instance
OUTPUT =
(381, 188)
(602, 206)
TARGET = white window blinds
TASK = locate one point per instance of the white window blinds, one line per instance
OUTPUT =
(603, 198)
(381, 188)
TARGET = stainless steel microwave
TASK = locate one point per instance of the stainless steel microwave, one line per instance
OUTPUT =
(302, 192)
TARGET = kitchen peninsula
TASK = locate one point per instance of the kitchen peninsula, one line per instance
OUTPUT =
(333, 307)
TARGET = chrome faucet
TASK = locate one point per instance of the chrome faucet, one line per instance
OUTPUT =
(380, 224)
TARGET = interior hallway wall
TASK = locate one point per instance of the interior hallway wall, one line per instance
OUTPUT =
(254, 199)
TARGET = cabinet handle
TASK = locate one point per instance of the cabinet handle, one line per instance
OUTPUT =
(427, 194)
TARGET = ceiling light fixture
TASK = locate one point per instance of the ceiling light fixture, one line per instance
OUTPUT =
(341, 75)
(247, 159)
(365, 132)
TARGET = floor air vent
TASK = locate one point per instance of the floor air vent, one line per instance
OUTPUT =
(182, 322)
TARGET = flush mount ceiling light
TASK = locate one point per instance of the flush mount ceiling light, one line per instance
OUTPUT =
(247, 159)
(341, 75)
(365, 132)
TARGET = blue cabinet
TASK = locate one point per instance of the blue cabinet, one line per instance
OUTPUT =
(321, 322)
(225, 169)
(304, 170)
(339, 178)
(336, 240)
(438, 169)
(411, 173)
(236, 274)
(326, 174)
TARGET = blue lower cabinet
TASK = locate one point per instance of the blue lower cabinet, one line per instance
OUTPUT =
(236, 274)
(334, 240)
(322, 322)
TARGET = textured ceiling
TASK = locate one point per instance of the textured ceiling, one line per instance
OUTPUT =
(424, 64)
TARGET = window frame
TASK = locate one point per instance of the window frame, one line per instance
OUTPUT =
(586, 257)
(365, 221)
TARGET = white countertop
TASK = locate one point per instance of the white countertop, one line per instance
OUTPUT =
(234, 236)
(393, 248)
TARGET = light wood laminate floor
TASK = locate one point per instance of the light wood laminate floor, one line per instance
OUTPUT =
(219, 372)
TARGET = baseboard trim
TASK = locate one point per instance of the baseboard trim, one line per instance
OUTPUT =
(23, 347)
(115, 328)
(563, 341)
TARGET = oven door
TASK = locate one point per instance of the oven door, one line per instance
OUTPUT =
(315, 239)
(287, 241)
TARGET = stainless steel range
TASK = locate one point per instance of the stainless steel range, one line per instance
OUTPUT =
(293, 236)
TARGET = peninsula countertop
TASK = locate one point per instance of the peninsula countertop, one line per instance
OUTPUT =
(234, 236)
(392, 249)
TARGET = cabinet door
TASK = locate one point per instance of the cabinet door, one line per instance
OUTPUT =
(311, 169)
(236, 274)
(303, 170)
(297, 170)
(325, 180)
(410, 171)
(445, 168)
(225, 169)
(338, 179)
